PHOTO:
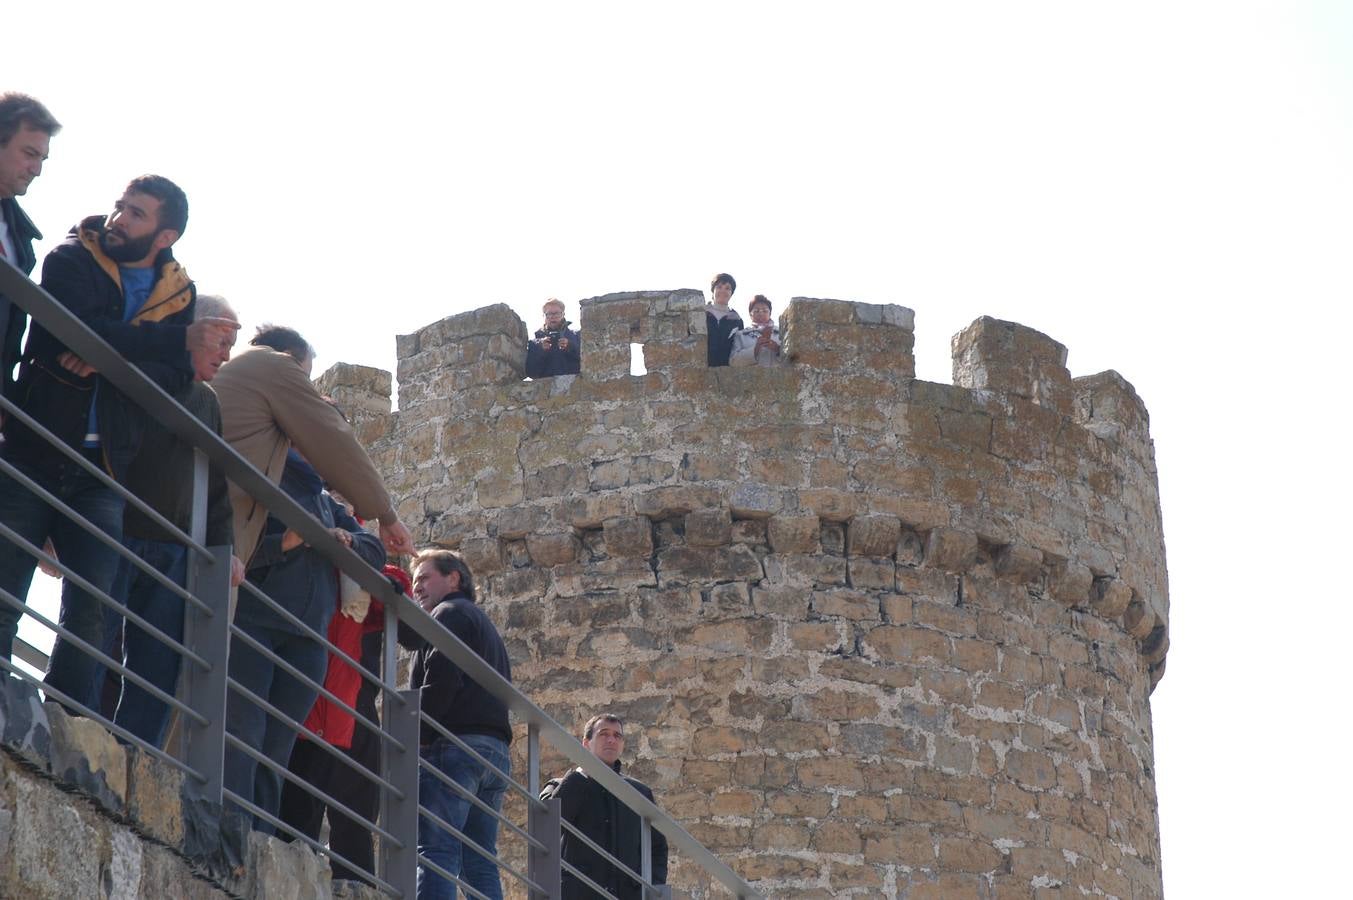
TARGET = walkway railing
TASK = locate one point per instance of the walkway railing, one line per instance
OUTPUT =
(206, 685)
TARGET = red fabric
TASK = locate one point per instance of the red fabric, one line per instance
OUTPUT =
(327, 720)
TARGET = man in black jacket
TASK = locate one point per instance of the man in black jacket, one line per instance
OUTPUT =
(118, 276)
(444, 587)
(26, 130)
(610, 824)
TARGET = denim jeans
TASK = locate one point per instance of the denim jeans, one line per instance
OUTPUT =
(257, 728)
(438, 845)
(139, 711)
(70, 669)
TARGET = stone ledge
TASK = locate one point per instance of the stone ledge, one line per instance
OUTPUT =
(135, 823)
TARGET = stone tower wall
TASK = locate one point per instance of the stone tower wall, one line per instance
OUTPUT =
(875, 636)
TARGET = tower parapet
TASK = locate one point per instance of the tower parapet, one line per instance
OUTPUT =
(873, 634)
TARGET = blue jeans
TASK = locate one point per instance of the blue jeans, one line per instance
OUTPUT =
(138, 710)
(256, 727)
(70, 669)
(440, 846)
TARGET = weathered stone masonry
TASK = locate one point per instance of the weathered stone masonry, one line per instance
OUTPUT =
(877, 636)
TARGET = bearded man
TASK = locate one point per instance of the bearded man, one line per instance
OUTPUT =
(118, 276)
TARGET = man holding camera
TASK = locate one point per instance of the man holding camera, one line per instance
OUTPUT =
(556, 348)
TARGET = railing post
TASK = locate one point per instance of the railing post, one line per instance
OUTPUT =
(545, 868)
(399, 866)
(651, 891)
(204, 690)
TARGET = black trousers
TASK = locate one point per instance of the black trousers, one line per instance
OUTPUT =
(304, 812)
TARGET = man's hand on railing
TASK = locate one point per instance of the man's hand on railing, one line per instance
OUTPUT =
(397, 539)
(236, 571)
(75, 365)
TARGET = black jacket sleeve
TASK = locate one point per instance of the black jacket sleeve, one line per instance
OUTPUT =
(569, 790)
(573, 355)
(442, 678)
(535, 359)
(71, 276)
(220, 517)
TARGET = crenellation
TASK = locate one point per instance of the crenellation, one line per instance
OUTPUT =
(827, 592)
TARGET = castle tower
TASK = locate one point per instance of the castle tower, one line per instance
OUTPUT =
(875, 636)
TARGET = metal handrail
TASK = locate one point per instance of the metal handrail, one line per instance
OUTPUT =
(85, 343)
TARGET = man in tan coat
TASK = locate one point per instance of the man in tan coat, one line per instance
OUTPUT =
(267, 404)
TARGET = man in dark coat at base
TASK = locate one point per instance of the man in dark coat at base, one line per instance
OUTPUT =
(612, 825)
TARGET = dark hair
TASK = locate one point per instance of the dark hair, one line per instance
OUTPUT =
(446, 562)
(759, 298)
(724, 278)
(20, 109)
(283, 340)
(593, 722)
(173, 202)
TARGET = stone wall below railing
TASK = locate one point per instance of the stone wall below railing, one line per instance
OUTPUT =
(82, 816)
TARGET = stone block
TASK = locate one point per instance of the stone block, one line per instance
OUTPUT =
(755, 501)
(484, 556)
(552, 549)
(618, 574)
(829, 504)
(873, 535)
(871, 574)
(910, 548)
(517, 522)
(805, 570)
(154, 797)
(54, 848)
(280, 869)
(709, 528)
(88, 758)
(781, 601)
(1110, 597)
(688, 565)
(1019, 563)
(591, 510)
(24, 728)
(901, 643)
(854, 605)
(1156, 645)
(1010, 358)
(950, 549)
(749, 531)
(1069, 583)
(671, 500)
(793, 533)
(1108, 404)
(628, 536)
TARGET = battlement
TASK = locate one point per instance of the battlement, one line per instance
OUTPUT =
(1046, 462)
(844, 578)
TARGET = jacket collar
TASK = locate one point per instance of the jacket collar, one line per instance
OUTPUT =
(18, 221)
(615, 767)
(173, 289)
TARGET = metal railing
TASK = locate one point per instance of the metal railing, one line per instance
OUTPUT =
(206, 688)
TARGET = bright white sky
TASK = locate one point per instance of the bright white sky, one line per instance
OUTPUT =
(1166, 188)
